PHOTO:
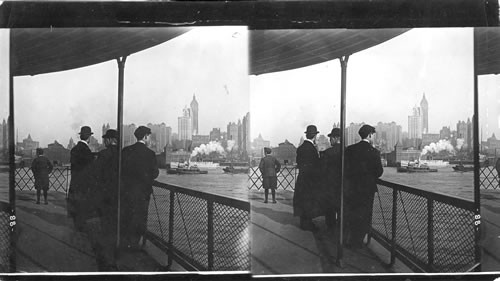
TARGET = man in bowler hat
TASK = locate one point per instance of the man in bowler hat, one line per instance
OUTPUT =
(41, 168)
(268, 167)
(81, 158)
(363, 168)
(330, 163)
(139, 170)
(105, 195)
(305, 197)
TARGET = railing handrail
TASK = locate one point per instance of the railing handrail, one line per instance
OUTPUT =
(433, 195)
(226, 200)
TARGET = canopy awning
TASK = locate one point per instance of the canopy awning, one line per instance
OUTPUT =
(279, 50)
(37, 51)
(487, 51)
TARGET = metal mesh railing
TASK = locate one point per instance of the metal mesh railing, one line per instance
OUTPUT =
(59, 179)
(489, 178)
(286, 178)
(5, 238)
(428, 231)
(200, 231)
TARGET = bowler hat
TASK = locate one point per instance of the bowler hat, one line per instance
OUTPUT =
(311, 129)
(85, 130)
(365, 130)
(111, 134)
(140, 132)
(334, 133)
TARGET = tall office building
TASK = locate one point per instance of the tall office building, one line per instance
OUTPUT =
(246, 145)
(128, 135)
(215, 134)
(232, 134)
(424, 106)
(194, 115)
(353, 133)
(415, 123)
(388, 135)
(158, 137)
(185, 124)
(464, 131)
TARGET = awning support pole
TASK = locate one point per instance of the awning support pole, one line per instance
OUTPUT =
(343, 64)
(477, 168)
(119, 127)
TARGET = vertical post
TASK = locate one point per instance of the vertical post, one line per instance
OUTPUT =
(171, 229)
(210, 230)
(430, 235)
(119, 127)
(394, 224)
(12, 165)
(343, 64)
(475, 125)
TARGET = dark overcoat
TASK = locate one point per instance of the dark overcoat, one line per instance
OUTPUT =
(363, 168)
(104, 193)
(41, 168)
(269, 166)
(331, 174)
(139, 169)
(307, 187)
(81, 158)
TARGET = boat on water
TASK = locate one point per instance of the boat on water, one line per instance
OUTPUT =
(463, 168)
(428, 163)
(236, 170)
(186, 170)
(200, 164)
(416, 168)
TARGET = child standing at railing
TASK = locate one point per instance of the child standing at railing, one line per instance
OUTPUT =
(269, 166)
(41, 168)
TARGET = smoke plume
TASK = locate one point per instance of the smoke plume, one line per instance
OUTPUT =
(460, 143)
(206, 149)
(441, 145)
(230, 144)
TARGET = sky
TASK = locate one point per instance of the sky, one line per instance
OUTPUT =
(384, 83)
(159, 83)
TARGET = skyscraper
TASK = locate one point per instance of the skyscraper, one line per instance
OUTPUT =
(415, 124)
(185, 124)
(232, 134)
(246, 144)
(194, 115)
(424, 105)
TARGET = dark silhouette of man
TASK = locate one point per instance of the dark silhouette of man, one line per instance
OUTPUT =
(268, 167)
(81, 159)
(330, 163)
(139, 170)
(41, 168)
(305, 203)
(363, 168)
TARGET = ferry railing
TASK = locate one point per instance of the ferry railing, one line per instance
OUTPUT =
(489, 177)
(286, 178)
(59, 179)
(428, 231)
(6, 249)
(199, 230)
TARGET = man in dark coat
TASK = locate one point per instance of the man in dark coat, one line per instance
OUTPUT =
(363, 168)
(268, 167)
(105, 199)
(330, 164)
(81, 158)
(41, 168)
(139, 170)
(305, 197)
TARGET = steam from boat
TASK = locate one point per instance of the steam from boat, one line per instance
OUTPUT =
(460, 143)
(208, 148)
(441, 145)
(230, 145)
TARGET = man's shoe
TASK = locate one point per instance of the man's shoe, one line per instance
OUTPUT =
(274, 201)
(265, 201)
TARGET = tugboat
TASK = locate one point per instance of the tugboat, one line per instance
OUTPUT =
(183, 169)
(239, 170)
(461, 168)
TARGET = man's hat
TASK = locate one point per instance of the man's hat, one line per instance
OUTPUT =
(366, 130)
(112, 134)
(267, 150)
(140, 132)
(335, 133)
(311, 130)
(39, 151)
(85, 130)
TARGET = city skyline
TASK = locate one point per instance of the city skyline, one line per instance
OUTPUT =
(209, 62)
(384, 83)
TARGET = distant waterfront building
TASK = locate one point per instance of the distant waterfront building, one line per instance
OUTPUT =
(430, 138)
(353, 133)
(464, 131)
(71, 144)
(185, 125)
(424, 105)
(232, 134)
(445, 133)
(387, 135)
(28, 147)
(215, 134)
(286, 153)
(158, 137)
(246, 144)
(199, 140)
(258, 145)
(415, 123)
(175, 137)
(194, 116)
(492, 146)
(168, 130)
(57, 153)
(128, 135)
